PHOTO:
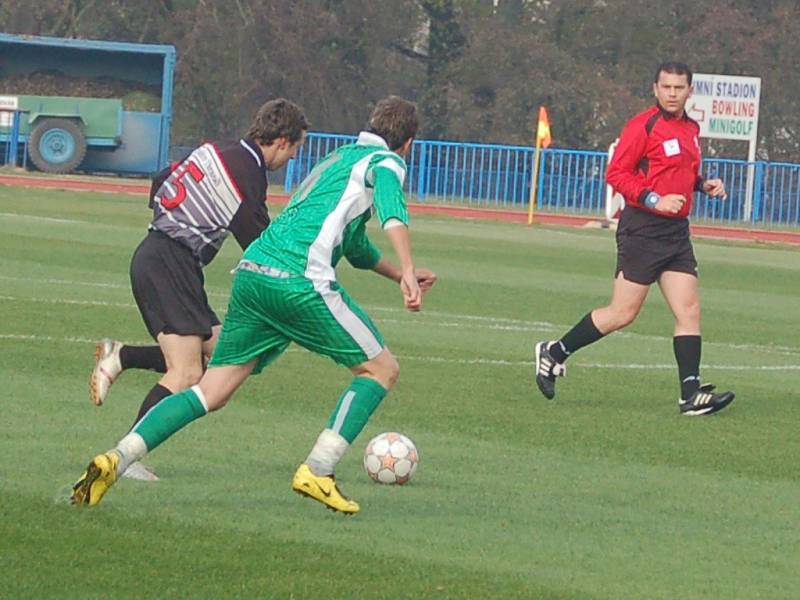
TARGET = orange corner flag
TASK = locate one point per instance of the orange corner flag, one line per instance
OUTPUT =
(543, 130)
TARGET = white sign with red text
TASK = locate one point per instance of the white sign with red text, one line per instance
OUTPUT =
(725, 106)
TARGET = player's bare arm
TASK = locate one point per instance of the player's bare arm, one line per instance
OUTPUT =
(425, 277)
(401, 242)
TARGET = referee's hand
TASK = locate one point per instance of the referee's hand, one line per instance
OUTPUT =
(715, 188)
(671, 203)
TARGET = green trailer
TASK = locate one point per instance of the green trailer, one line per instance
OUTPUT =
(61, 129)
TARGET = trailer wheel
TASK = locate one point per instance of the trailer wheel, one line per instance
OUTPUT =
(57, 145)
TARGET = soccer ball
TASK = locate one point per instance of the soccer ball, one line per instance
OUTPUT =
(391, 458)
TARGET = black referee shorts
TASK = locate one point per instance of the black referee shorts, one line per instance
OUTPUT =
(648, 245)
(168, 287)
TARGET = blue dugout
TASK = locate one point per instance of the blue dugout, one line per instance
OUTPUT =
(143, 144)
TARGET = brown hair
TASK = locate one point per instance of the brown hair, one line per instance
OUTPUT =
(395, 120)
(675, 68)
(276, 119)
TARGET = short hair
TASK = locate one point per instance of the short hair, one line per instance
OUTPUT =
(676, 68)
(276, 119)
(395, 120)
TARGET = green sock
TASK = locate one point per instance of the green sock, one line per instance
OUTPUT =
(170, 415)
(355, 405)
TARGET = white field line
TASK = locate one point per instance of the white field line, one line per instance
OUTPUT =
(69, 282)
(21, 337)
(457, 320)
(64, 301)
(6, 215)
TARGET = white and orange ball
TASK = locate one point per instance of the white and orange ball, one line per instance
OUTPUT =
(391, 458)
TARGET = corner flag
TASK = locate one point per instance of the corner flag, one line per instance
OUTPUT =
(543, 140)
(543, 130)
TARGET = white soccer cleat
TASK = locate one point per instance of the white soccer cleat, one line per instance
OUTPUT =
(107, 368)
(140, 472)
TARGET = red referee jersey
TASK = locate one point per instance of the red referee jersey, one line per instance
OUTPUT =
(660, 153)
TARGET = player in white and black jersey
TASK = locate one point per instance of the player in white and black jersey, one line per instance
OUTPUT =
(220, 188)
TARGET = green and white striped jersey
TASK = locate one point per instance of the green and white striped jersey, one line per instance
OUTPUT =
(327, 215)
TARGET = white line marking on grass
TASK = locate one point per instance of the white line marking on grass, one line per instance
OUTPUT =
(64, 301)
(541, 327)
(69, 282)
(22, 337)
(673, 366)
(495, 323)
(529, 363)
(46, 219)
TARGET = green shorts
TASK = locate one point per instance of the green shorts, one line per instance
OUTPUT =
(266, 313)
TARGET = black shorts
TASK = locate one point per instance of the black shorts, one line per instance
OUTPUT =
(648, 245)
(167, 283)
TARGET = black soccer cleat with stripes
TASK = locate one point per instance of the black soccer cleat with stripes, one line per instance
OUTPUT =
(705, 402)
(547, 369)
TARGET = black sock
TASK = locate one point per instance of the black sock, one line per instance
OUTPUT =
(154, 396)
(687, 353)
(143, 357)
(583, 334)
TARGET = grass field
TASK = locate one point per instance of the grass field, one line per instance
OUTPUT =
(604, 492)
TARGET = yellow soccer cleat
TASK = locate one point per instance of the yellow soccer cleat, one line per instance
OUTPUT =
(322, 489)
(98, 477)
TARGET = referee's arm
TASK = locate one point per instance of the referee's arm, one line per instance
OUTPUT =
(623, 173)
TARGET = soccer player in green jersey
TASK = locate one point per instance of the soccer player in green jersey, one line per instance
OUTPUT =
(285, 290)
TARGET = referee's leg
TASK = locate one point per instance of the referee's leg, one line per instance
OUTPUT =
(680, 291)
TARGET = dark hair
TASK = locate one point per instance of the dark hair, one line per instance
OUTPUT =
(395, 120)
(676, 68)
(276, 119)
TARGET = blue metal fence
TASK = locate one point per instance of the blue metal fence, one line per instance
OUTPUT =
(570, 181)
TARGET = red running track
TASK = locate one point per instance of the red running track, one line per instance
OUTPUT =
(94, 184)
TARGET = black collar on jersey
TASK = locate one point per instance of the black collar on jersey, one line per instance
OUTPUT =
(254, 150)
(668, 115)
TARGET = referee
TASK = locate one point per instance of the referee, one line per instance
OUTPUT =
(656, 168)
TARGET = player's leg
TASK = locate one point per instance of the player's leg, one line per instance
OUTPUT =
(165, 419)
(147, 269)
(315, 477)
(680, 290)
(626, 301)
(342, 330)
(210, 343)
(183, 355)
(245, 346)
(111, 358)
(372, 380)
(168, 287)
(185, 364)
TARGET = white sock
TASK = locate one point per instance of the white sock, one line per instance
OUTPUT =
(326, 453)
(131, 448)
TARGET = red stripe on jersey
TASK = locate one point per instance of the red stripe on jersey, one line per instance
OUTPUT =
(239, 195)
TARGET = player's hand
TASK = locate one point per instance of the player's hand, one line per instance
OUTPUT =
(425, 278)
(671, 203)
(412, 294)
(715, 188)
